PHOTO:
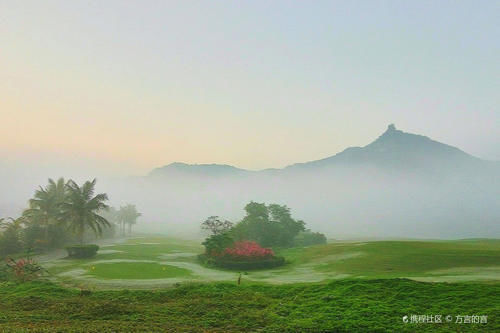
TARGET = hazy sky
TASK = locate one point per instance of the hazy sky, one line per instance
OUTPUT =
(132, 85)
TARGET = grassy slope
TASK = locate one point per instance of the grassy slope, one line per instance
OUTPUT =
(387, 259)
(340, 306)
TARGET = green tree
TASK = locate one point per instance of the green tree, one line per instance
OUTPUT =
(128, 215)
(216, 243)
(81, 208)
(112, 215)
(270, 225)
(288, 227)
(45, 206)
(216, 225)
(10, 236)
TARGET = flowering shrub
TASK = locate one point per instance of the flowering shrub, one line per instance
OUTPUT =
(24, 269)
(247, 250)
(245, 255)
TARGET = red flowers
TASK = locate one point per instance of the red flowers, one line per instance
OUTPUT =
(24, 269)
(248, 250)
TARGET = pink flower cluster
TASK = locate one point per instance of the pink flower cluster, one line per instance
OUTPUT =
(248, 250)
(24, 269)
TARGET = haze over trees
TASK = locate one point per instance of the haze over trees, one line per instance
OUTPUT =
(62, 213)
(400, 185)
(270, 225)
(216, 225)
(127, 216)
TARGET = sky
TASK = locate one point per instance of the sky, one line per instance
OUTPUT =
(123, 87)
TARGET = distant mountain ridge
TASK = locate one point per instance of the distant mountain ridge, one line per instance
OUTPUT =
(393, 148)
(197, 169)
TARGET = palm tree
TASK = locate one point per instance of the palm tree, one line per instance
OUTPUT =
(45, 206)
(80, 209)
(128, 215)
(10, 240)
(111, 214)
(121, 220)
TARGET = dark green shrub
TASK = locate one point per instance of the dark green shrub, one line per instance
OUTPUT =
(82, 251)
(217, 243)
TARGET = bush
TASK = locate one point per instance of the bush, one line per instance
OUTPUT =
(307, 238)
(82, 251)
(245, 255)
(23, 270)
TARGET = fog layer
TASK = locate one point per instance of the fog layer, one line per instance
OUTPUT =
(401, 185)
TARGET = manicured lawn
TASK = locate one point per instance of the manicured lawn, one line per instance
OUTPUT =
(162, 261)
(136, 270)
(340, 306)
(388, 259)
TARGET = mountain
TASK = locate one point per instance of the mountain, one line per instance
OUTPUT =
(200, 170)
(393, 149)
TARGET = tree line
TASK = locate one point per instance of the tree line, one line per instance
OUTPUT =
(64, 212)
(268, 225)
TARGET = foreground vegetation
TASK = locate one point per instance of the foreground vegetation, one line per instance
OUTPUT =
(341, 306)
(345, 293)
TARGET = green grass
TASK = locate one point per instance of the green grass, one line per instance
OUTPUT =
(433, 261)
(133, 249)
(136, 270)
(373, 297)
(387, 259)
(340, 306)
